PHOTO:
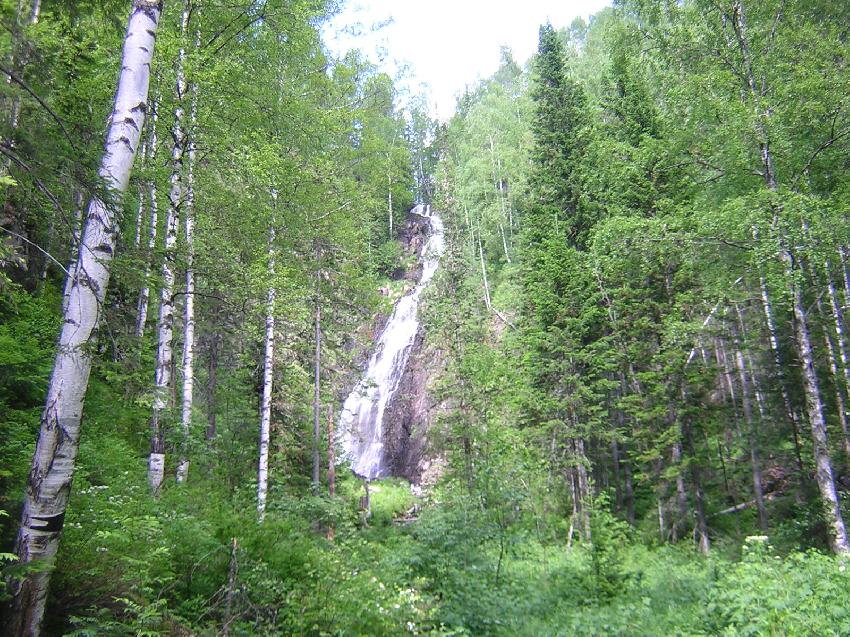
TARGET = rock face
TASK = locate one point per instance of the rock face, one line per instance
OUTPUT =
(407, 418)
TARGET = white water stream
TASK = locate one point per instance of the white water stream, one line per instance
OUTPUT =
(362, 420)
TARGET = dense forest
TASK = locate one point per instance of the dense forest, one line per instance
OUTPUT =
(622, 410)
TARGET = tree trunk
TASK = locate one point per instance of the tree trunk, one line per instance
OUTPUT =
(144, 293)
(837, 377)
(390, 198)
(212, 385)
(487, 301)
(49, 482)
(165, 325)
(841, 344)
(583, 487)
(232, 571)
(845, 272)
(317, 378)
(681, 492)
(629, 490)
(699, 506)
(823, 473)
(268, 380)
(790, 412)
(497, 182)
(571, 476)
(618, 486)
(755, 460)
(140, 211)
(757, 91)
(189, 302)
(331, 454)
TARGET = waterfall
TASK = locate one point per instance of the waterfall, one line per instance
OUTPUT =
(361, 423)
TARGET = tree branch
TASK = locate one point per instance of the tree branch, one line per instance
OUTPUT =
(37, 247)
(44, 105)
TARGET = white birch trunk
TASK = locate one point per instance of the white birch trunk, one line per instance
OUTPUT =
(814, 402)
(497, 182)
(145, 292)
(164, 354)
(331, 454)
(140, 212)
(823, 463)
(189, 305)
(317, 377)
(49, 483)
(164, 378)
(504, 243)
(487, 301)
(390, 199)
(837, 377)
(755, 459)
(268, 382)
(845, 271)
(841, 344)
(583, 487)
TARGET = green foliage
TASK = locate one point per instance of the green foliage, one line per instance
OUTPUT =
(609, 536)
(613, 237)
(388, 257)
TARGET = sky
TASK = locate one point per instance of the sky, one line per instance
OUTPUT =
(448, 44)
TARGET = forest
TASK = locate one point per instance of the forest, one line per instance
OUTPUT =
(282, 353)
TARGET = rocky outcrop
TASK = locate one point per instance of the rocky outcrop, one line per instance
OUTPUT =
(408, 417)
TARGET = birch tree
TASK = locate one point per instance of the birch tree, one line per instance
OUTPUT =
(163, 376)
(189, 303)
(153, 220)
(268, 382)
(49, 484)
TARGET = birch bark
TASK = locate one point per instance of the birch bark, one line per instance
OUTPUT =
(757, 90)
(841, 344)
(49, 482)
(837, 377)
(164, 376)
(144, 293)
(189, 303)
(331, 454)
(140, 211)
(755, 459)
(487, 301)
(268, 381)
(823, 463)
(317, 378)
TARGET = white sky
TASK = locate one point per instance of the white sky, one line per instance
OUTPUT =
(448, 44)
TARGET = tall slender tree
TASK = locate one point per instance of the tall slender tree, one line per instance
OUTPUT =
(49, 484)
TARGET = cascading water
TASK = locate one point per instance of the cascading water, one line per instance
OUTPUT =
(363, 411)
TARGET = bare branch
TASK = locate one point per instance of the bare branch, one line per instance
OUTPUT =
(13, 77)
(37, 247)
